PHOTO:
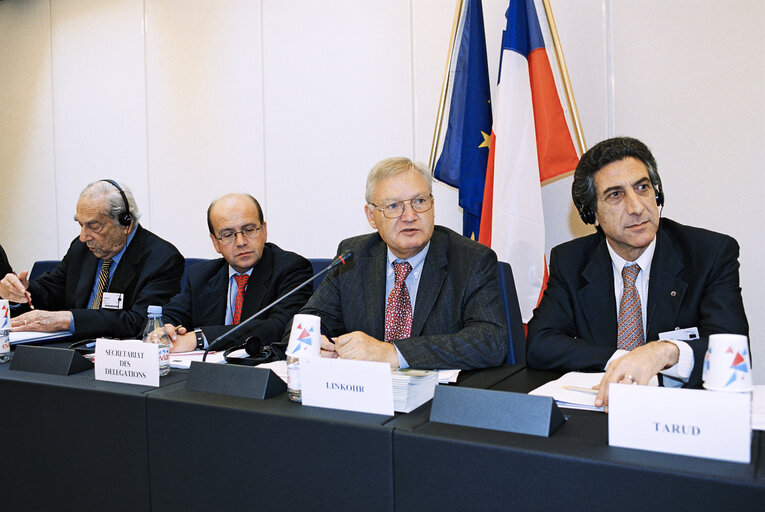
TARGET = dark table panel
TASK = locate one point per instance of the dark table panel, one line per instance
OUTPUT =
(73, 443)
(452, 467)
(223, 453)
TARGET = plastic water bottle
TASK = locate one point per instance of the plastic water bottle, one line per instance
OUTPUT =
(5, 331)
(155, 333)
(294, 388)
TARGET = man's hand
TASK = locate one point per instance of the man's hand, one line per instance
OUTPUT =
(180, 339)
(327, 348)
(13, 287)
(637, 367)
(361, 346)
(42, 321)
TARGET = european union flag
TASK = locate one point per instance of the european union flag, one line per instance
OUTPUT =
(462, 163)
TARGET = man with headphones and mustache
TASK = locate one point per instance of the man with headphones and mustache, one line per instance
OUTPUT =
(109, 276)
(641, 296)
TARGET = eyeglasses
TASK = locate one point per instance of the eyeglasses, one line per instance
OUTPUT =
(395, 209)
(229, 236)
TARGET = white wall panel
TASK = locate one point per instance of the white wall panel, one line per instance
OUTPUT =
(338, 98)
(99, 101)
(689, 83)
(205, 113)
(27, 180)
(431, 30)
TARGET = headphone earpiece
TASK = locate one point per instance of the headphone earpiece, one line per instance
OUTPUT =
(125, 218)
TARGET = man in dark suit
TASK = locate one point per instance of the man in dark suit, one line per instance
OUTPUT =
(214, 301)
(108, 277)
(414, 294)
(5, 266)
(638, 279)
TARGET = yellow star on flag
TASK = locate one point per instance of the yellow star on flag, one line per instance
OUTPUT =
(486, 140)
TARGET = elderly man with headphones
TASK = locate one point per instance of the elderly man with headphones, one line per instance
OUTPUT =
(641, 296)
(109, 276)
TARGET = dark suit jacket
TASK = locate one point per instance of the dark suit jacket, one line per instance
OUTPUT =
(458, 320)
(149, 273)
(202, 304)
(5, 267)
(693, 283)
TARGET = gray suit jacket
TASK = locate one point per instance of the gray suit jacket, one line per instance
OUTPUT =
(458, 319)
(694, 283)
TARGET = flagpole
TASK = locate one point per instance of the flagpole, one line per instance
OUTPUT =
(444, 90)
(566, 80)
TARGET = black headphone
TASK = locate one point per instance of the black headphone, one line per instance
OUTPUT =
(124, 218)
(588, 216)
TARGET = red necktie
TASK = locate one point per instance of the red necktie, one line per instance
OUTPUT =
(241, 283)
(398, 314)
(630, 334)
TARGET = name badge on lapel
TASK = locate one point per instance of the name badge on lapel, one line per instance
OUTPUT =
(112, 300)
(688, 334)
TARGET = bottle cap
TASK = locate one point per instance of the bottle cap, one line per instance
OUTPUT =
(155, 310)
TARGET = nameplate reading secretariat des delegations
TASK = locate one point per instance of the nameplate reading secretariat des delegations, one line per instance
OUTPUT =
(361, 386)
(131, 362)
(700, 423)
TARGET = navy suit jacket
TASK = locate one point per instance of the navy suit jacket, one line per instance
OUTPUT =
(5, 267)
(202, 304)
(458, 319)
(694, 282)
(149, 273)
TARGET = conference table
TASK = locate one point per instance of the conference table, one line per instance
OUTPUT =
(74, 443)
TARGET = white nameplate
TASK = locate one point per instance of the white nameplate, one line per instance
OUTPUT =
(700, 423)
(132, 362)
(361, 386)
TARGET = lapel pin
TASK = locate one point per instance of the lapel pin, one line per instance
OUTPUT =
(673, 293)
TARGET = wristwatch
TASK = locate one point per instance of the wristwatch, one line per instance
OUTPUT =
(200, 339)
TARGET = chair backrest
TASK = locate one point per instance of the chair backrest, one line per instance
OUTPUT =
(516, 352)
(190, 262)
(318, 265)
(42, 267)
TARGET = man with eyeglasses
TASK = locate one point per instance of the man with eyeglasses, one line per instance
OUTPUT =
(414, 295)
(109, 276)
(251, 274)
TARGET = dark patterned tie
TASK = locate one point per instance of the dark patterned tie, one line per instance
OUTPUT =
(241, 283)
(630, 334)
(103, 281)
(398, 314)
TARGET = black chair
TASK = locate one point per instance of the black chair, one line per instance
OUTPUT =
(318, 265)
(42, 267)
(190, 262)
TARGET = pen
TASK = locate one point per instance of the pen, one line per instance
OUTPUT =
(581, 389)
(27, 294)
(324, 333)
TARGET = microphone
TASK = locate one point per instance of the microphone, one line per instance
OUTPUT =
(341, 259)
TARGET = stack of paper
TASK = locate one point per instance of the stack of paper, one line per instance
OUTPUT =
(758, 408)
(574, 390)
(412, 388)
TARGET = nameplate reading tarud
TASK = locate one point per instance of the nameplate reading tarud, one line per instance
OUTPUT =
(361, 386)
(131, 362)
(710, 424)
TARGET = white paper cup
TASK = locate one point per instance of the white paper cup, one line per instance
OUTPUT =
(5, 315)
(726, 363)
(305, 337)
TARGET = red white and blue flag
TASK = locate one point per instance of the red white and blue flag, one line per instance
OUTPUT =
(530, 144)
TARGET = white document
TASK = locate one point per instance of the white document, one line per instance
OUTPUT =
(571, 399)
(361, 386)
(278, 367)
(131, 362)
(19, 338)
(710, 424)
(182, 360)
(448, 376)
